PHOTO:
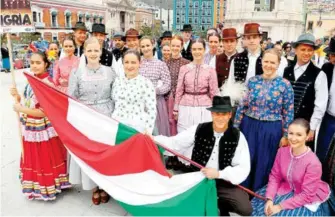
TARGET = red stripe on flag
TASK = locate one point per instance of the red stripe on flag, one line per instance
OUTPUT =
(135, 155)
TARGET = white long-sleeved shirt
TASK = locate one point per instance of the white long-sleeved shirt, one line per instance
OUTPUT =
(321, 95)
(282, 65)
(331, 103)
(240, 166)
(251, 67)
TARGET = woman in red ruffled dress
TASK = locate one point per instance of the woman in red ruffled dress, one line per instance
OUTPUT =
(43, 162)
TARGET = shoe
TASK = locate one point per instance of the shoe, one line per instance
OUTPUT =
(96, 200)
(104, 198)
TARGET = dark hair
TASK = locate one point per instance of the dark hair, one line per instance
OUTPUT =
(285, 45)
(214, 34)
(44, 57)
(134, 52)
(269, 39)
(212, 29)
(278, 42)
(54, 42)
(69, 38)
(199, 40)
(301, 122)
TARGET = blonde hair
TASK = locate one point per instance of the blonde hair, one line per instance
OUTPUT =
(91, 40)
(273, 51)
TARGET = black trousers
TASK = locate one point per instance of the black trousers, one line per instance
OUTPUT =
(232, 199)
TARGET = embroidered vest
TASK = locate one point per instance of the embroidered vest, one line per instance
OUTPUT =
(106, 57)
(204, 143)
(304, 92)
(241, 64)
(222, 67)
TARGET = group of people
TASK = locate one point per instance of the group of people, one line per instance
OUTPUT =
(264, 141)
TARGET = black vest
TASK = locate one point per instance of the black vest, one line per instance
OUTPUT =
(81, 51)
(187, 54)
(241, 64)
(328, 69)
(119, 53)
(106, 57)
(204, 142)
(304, 92)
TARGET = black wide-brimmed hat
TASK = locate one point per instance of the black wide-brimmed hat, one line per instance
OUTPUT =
(306, 38)
(187, 28)
(167, 34)
(331, 47)
(221, 104)
(99, 28)
(79, 26)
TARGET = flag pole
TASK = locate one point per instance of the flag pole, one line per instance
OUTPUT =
(201, 167)
(9, 46)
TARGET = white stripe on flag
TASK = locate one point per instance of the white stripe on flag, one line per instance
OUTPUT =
(91, 123)
(143, 188)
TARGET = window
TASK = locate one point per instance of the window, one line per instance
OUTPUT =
(68, 21)
(203, 4)
(310, 25)
(178, 12)
(203, 20)
(183, 12)
(34, 16)
(196, 12)
(208, 12)
(195, 20)
(196, 4)
(54, 20)
(190, 12)
(190, 20)
(178, 20)
(208, 20)
(257, 1)
(101, 19)
(203, 28)
(39, 17)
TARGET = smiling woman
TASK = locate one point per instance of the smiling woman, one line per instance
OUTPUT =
(91, 84)
(158, 73)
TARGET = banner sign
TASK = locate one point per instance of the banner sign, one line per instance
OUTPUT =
(16, 16)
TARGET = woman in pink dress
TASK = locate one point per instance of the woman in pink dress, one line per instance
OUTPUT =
(196, 87)
(66, 65)
(295, 187)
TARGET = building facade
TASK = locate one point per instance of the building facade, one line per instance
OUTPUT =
(219, 11)
(166, 19)
(279, 19)
(55, 18)
(321, 25)
(198, 13)
(143, 17)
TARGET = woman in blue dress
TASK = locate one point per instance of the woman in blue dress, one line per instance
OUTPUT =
(263, 117)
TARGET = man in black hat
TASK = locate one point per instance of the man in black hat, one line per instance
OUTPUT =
(187, 34)
(80, 31)
(99, 31)
(119, 41)
(165, 39)
(224, 152)
(309, 85)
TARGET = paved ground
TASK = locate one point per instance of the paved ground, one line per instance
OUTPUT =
(73, 202)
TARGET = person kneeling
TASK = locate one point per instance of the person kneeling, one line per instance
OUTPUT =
(295, 187)
(223, 150)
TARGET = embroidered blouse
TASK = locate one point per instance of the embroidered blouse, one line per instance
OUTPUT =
(300, 174)
(158, 73)
(267, 100)
(135, 102)
(197, 85)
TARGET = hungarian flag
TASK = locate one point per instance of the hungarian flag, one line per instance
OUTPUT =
(125, 163)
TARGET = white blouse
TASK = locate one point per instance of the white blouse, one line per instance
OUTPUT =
(135, 103)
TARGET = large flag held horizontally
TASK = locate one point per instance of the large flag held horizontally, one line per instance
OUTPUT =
(123, 162)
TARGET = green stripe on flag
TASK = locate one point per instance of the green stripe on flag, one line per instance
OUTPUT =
(201, 200)
(123, 133)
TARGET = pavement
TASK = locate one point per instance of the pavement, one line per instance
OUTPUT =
(71, 202)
